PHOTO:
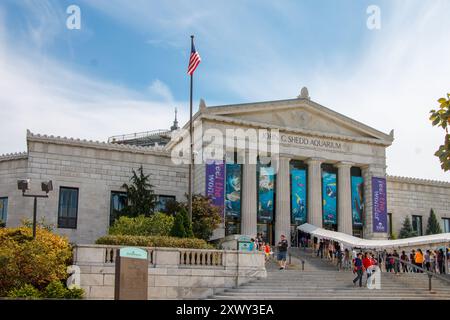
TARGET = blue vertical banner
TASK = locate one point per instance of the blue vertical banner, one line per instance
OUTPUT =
(329, 195)
(379, 204)
(298, 196)
(233, 191)
(215, 184)
(266, 194)
(357, 200)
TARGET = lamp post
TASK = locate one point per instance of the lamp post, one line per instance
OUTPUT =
(24, 186)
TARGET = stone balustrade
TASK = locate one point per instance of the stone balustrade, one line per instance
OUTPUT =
(173, 273)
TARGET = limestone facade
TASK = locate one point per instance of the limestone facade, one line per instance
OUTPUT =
(294, 130)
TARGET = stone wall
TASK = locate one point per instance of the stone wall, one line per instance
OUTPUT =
(172, 273)
(407, 197)
(96, 169)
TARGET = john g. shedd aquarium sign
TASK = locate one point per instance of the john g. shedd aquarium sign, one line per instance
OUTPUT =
(301, 140)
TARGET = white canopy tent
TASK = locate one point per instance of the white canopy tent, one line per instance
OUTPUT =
(436, 240)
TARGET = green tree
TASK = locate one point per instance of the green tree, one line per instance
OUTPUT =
(182, 227)
(141, 198)
(407, 231)
(433, 226)
(205, 217)
(441, 118)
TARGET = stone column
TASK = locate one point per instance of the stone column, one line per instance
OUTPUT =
(283, 194)
(314, 192)
(248, 219)
(345, 220)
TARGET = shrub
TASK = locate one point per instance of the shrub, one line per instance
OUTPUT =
(57, 290)
(2, 224)
(154, 241)
(182, 226)
(26, 291)
(54, 290)
(159, 224)
(24, 260)
(205, 217)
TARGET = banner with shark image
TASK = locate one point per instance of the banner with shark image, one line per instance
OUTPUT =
(329, 195)
(357, 200)
(266, 194)
(233, 191)
(298, 196)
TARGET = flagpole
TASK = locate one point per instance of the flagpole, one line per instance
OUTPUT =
(191, 153)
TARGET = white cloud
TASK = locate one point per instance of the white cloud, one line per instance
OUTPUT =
(159, 90)
(42, 95)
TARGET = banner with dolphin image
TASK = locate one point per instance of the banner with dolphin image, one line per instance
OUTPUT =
(298, 196)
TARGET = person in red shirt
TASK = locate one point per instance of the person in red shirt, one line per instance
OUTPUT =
(367, 263)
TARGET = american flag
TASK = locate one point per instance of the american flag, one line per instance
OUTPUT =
(194, 61)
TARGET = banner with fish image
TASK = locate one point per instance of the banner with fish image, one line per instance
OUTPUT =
(357, 200)
(329, 195)
(215, 185)
(233, 191)
(266, 194)
(298, 196)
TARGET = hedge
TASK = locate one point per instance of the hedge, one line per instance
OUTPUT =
(154, 241)
(159, 224)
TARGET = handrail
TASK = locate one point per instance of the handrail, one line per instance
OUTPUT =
(430, 274)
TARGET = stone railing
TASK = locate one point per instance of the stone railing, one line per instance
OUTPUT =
(173, 273)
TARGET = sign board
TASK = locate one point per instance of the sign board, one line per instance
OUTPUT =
(244, 243)
(131, 278)
(379, 204)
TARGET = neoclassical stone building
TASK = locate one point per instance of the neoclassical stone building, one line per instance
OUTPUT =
(318, 166)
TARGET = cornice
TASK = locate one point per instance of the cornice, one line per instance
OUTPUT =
(257, 124)
(428, 182)
(156, 150)
(14, 156)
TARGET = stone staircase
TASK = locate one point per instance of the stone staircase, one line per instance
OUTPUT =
(321, 281)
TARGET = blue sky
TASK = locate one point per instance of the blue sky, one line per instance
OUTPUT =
(125, 69)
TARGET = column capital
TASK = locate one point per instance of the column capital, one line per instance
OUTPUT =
(314, 160)
(344, 164)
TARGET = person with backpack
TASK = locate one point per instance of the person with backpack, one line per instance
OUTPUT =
(358, 270)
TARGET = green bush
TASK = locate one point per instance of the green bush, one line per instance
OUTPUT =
(182, 226)
(159, 224)
(37, 262)
(57, 290)
(26, 291)
(54, 290)
(154, 241)
(2, 224)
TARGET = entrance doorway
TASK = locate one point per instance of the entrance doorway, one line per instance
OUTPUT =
(266, 231)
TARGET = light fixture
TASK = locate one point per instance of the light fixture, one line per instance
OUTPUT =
(23, 184)
(47, 186)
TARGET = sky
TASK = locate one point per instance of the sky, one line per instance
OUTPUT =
(124, 70)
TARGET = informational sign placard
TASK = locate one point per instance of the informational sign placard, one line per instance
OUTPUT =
(266, 194)
(298, 196)
(357, 200)
(244, 243)
(329, 197)
(215, 184)
(233, 191)
(379, 204)
(131, 278)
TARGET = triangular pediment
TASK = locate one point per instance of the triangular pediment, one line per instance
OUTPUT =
(299, 114)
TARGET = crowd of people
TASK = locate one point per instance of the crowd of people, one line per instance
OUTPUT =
(417, 261)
